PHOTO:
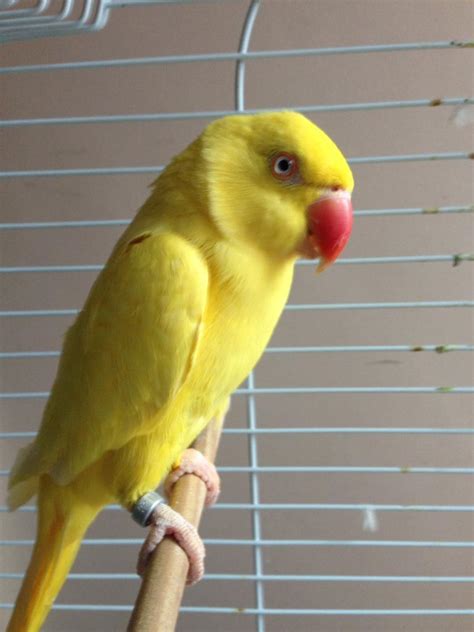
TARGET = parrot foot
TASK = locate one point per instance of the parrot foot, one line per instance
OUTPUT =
(194, 462)
(165, 521)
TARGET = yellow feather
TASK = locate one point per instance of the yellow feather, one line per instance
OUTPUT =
(174, 323)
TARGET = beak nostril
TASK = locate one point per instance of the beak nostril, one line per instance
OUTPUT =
(336, 187)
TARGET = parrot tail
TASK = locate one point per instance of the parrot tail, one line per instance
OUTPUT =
(63, 518)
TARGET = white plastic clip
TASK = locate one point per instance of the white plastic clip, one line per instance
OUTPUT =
(370, 522)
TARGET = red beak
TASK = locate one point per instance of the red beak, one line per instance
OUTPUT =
(330, 225)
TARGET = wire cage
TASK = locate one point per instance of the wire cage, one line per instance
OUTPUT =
(347, 455)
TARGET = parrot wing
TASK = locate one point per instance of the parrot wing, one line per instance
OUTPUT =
(124, 358)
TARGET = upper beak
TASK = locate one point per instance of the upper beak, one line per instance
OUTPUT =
(330, 225)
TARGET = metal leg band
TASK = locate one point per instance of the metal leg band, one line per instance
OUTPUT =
(144, 507)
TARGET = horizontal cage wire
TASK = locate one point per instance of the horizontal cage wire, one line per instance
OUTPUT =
(347, 415)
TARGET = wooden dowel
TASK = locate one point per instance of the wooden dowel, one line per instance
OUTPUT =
(157, 605)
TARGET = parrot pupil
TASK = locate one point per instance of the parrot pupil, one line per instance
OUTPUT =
(284, 165)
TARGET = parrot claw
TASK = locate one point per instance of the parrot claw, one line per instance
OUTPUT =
(194, 462)
(165, 521)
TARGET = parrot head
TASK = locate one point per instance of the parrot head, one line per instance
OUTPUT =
(278, 182)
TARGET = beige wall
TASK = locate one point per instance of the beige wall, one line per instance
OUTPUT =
(206, 27)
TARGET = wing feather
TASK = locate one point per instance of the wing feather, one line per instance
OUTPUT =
(125, 357)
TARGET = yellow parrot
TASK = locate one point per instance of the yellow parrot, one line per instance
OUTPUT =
(180, 314)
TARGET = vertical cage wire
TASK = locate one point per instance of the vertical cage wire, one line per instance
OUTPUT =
(251, 407)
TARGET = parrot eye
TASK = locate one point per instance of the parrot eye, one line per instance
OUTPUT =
(284, 166)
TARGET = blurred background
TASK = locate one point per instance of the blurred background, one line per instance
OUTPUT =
(385, 340)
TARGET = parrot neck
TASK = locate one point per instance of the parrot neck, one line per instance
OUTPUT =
(178, 203)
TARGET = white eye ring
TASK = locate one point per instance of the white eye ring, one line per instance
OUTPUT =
(284, 166)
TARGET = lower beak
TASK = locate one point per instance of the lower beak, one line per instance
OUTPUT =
(330, 226)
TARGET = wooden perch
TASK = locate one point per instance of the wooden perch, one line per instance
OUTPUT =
(157, 605)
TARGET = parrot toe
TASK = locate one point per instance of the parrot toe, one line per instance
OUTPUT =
(165, 521)
(194, 462)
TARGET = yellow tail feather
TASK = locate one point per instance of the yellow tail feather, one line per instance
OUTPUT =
(62, 522)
